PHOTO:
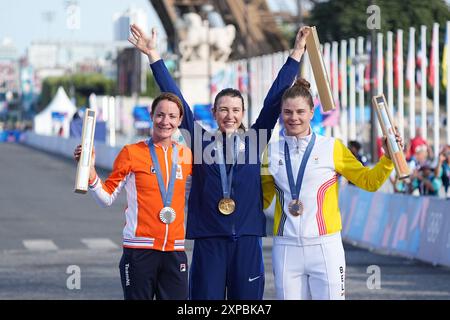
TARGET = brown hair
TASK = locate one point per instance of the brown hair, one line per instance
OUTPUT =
(170, 97)
(230, 92)
(299, 89)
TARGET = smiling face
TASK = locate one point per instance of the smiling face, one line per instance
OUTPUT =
(228, 113)
(296, 114)
(166, 119)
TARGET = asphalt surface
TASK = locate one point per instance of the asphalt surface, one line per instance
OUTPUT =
(49, 235)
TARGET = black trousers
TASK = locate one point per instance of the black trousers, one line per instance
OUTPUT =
(147, 274)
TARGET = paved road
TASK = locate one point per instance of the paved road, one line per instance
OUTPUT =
(45, 229)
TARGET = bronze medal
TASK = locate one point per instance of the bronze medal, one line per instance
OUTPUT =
(226, 206)
(296, 207)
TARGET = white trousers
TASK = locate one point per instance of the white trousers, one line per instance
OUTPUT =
(312, 271)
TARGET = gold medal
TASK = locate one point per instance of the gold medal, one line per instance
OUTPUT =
(296, 208)
(226, 206)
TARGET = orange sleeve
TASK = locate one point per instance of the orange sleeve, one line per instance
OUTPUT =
(121, 168)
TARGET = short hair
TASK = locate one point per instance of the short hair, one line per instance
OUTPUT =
(170, 97)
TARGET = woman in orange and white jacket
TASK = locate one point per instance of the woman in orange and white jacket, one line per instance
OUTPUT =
(154, 174)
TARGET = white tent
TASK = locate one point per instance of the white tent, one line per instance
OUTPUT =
(55, 118)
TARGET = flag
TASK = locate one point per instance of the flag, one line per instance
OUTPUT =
(444, 60)
(242, 80)
(432, 62)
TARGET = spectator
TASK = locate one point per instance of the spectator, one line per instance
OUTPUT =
(443, 169)
(416, 142)
(425, 182)
(356, 148)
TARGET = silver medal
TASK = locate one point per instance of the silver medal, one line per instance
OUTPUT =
(167, 215)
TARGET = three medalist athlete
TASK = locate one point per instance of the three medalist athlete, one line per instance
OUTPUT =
(300, 184)
(154, 173)
(225, 204)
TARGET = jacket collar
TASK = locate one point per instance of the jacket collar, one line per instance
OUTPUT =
(296, 142)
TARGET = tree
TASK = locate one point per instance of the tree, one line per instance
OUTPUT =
(83, 85)
(343, 19)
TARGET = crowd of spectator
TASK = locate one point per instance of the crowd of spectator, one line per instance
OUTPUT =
(429, 176)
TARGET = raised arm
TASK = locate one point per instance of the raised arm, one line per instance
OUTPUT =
(148, 46)
(272, 103)
(370, 179)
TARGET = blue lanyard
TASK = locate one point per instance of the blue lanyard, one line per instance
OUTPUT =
(226, 180)
(166, 195)
(295, 188)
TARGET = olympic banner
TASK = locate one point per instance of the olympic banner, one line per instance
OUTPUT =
(415, 227)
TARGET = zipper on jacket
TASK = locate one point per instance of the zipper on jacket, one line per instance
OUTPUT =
(167, 183)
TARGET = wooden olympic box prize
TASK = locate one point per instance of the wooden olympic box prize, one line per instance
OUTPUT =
(87, 143)
(319, 71)
(387, 125)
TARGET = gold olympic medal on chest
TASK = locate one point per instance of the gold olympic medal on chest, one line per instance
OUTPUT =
(227, 206)
(167, 215)
(295, 207)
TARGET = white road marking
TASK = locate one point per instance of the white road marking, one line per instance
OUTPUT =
(40, 245)
(99, 243)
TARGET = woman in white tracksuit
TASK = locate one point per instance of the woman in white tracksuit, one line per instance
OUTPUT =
(300, 188)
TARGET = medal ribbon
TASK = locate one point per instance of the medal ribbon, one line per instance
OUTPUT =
(226, 181)
(295, 188)
(166, 195)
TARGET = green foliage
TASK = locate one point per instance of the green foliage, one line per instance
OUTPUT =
(81, 85)
(343, 19)
(152, 88)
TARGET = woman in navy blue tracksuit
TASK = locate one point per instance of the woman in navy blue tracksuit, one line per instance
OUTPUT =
(227, 259)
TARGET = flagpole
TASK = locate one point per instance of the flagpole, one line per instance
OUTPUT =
(423, 77)
(410, 69)
(361, 86)
(352, 132)
(436, 88)
(335, 73)
(389, 70)
(380, 84)
(401, 111)
(447, 75)
(343, 68)
(373, 122)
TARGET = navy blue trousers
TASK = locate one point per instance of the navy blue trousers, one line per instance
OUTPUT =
(227, 268)
(147, 274)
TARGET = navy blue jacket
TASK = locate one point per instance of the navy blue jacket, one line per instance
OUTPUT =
(204, 219)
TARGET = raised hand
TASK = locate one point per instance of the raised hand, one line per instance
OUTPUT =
(300, 38)
(300, 42)
(399, 140)
(147, 45)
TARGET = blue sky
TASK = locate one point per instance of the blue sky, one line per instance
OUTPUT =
(22, 20)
